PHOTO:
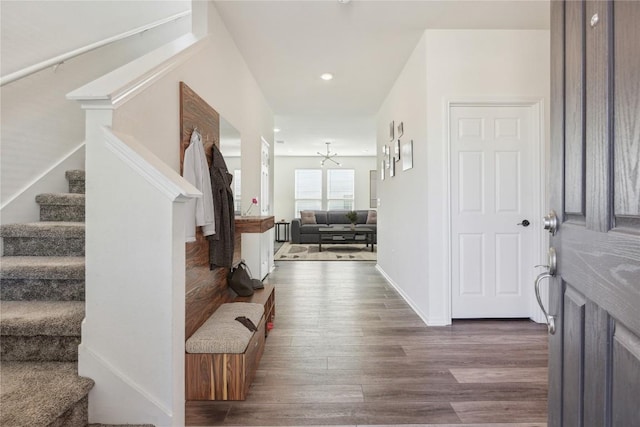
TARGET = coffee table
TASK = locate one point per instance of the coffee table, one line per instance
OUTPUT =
(333, 235)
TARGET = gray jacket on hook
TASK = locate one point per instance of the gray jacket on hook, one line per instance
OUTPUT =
(221, 244)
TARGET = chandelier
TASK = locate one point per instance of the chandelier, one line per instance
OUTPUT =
(328, 156)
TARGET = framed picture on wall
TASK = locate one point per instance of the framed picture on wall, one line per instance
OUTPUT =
(407, 155)
(392, 168)
(400, 129)
(387, 156)
(382, 168)
(396, 150)
(391, 131)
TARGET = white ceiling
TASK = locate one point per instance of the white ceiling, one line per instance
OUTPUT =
(364, 43)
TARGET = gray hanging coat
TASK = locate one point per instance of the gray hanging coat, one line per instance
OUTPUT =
(221, 244)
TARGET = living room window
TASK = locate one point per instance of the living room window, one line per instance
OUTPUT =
(340, 189)
(338, 194)
(308, 190)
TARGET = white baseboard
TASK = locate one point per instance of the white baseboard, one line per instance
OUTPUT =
(116, 399)
(425, 318)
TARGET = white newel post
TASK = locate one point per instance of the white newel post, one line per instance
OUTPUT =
(133, 331)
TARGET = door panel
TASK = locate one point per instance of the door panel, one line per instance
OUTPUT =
(471, 195)
(508, 266)
(574, 316)
(597, 359)
(508, 182)
(574, 104)
(594, 360)
(492, 192)
(471, 264)
(626, 377)
(598, 123)
(627, 111)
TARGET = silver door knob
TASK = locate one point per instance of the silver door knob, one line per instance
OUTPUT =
(551, 222)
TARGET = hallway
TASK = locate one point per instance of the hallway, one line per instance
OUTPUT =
(347, 350)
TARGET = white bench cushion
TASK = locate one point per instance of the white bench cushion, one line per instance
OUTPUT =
(221, 333)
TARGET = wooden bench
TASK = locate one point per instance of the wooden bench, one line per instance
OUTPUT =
(228, 375)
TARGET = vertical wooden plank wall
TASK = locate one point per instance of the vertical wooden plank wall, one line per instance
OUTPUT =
(205, 289)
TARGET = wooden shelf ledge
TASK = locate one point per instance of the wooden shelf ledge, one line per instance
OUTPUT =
(253, 224)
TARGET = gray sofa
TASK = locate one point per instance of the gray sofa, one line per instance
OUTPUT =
(308, 233)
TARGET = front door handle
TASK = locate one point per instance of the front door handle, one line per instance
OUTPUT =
(524, 223)
(552, 265)
(551, 320)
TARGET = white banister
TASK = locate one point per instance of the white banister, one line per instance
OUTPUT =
(114, 88)
(55, 61)
(148, 166)
(133, 331)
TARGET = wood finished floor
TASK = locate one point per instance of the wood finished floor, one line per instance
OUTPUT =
(347, 350)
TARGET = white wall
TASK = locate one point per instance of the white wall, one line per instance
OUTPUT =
(232, 162)
(458, 65)
(402, 214)
(284, 184)
(39, 127)
(221, 77)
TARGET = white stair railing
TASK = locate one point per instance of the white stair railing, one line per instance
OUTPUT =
(60, 59)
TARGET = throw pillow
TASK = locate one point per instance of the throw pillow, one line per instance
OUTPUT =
(372, 217)
(308, 217)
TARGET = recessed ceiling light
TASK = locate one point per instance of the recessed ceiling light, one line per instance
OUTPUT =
(344, 1)
(326, 76)
(276, 130)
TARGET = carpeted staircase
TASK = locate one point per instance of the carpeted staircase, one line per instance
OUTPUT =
(42, 307)
(41, 310)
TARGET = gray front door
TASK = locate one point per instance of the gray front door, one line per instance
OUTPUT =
(594, 360)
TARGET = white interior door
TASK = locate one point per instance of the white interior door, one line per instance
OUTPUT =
(491, 194)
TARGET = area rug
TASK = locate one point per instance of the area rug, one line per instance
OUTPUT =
(309, 252)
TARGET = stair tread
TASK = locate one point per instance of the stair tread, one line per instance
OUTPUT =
(48, 318)
(36, 393)
(75, 199)
(75, 174)
(42, 267)
(53, 229)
